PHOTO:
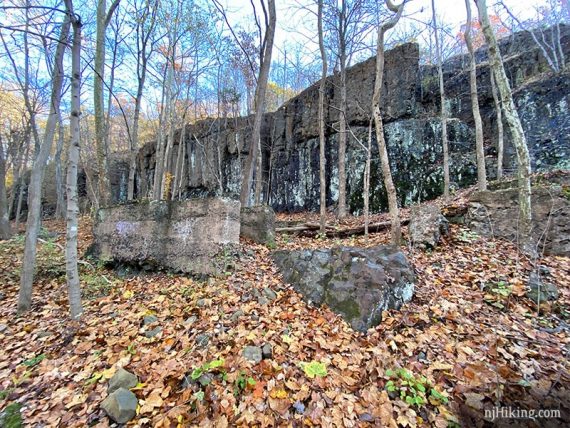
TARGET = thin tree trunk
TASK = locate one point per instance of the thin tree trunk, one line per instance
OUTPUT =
(160, 143)
(342, 116)
(73, 285)
(103, 19)
(259, 106)
(443, 106)
(322, 141)
(500, 132)
(5, 229)
(60, 205)
(21, 192)
(367, 181)
(516, 131)
(258, 176)
(396, 233)
(480, 149)
(35, 186)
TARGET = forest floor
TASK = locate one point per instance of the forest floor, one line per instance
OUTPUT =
(469, 340)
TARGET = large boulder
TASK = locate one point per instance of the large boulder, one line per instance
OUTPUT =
(495, 214)
(185, 236)
(356, 283)
(258, 224)
(427, 225)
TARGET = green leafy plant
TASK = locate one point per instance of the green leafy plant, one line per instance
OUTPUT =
(206, 368)
(242, 382)
(313, 369)
(414, 390)
(499, 292)
(34, 361)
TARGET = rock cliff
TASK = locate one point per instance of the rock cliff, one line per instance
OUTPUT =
(216, 148)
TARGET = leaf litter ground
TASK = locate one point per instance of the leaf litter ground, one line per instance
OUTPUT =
(469, 334)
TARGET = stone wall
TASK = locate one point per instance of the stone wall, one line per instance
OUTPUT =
(183, 236)
(494, 213)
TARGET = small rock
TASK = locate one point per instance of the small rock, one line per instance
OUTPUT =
(255, 291)
(255, 317)
(547, 290)
(201, 303)
(366, 417)
(121, 405)
(43, 333)
(149, 319)
(202, 340)
(263, 300)
(3, 328)
(299, 407)
(2, 296)
(267, 351)
(422, 356)
(206, 379)
(253, 353)
(236, 315)
(270, 294)
(153, 332)
(122, 379)
(190, 320)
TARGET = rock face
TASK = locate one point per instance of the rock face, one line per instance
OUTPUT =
(495, 212)
(258, 224)
(216, 149)
(427, 225)
(184, 236)
(356, 283)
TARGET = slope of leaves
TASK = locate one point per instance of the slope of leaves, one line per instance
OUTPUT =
(474, 346)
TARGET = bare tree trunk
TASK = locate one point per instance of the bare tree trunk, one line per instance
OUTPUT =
(516, 131)
(342, 116)
(103, 19)
(160, 143)
(322, 141)
(35, 186)
(480, 149)
(73, 286)
(21, 192)
(179, 161)
(60, 205)
(396, 233)
(259, 106)
(258, 176)
(367, 181)
(443, 106)
(5, 229)
(500, 132)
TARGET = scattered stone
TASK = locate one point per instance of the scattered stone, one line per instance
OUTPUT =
(149, 319)
(258, 224)
(206, 379)
(262, 300)
(540, 290)
(299, 407)
(3, 328)
(153, 332)
(122, 379)
(201, 303)
(366, 417)
(427, 225)
(267, 351)
(269, 293)
(190, 320)
(236, 315)
(43, 333)
(120, 406)
(202, 340)
(255, 317)
(356, 283)
(2, 296)
(253, 353)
